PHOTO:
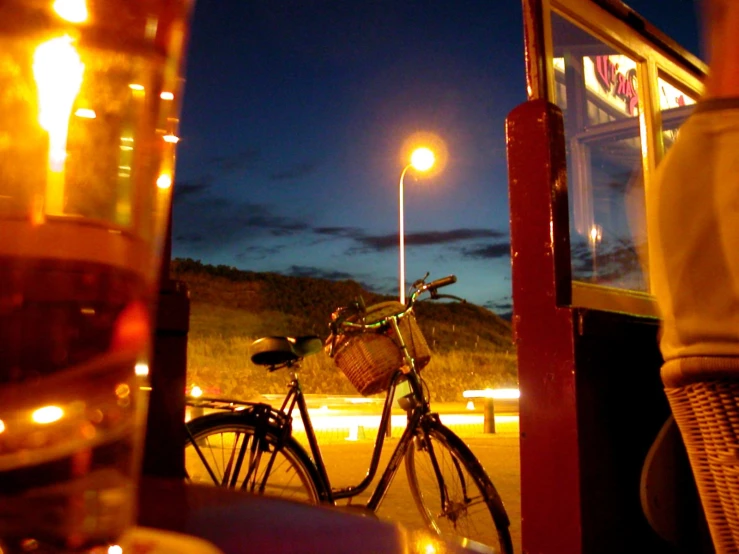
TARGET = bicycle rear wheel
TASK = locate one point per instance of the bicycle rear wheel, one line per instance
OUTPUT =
(452, 491)
(237, 451)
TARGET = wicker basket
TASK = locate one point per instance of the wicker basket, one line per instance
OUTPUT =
(370, 359)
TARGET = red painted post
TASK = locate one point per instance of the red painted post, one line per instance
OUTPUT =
(543, 330)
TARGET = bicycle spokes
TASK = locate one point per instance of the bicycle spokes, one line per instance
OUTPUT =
(228, 450)
(234, 464)
(252, 474)
(257, 471)
(452, 491)
(443, 493)
(203, 460)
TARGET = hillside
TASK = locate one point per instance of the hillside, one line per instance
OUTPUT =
(310, 302)
(231, 307)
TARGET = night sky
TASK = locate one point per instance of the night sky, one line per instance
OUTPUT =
(294, 129)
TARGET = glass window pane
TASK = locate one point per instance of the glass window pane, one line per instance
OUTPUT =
(598, 90)
(675, 105)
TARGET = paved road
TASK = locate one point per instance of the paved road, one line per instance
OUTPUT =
(347, 463)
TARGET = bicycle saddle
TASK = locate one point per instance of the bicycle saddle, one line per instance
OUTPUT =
(276, 351)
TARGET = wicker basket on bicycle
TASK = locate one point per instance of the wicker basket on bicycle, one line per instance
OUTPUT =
(369, 359)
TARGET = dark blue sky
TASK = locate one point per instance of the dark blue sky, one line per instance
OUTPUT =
(294, 122)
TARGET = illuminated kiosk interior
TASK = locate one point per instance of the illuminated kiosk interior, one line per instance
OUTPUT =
(607, 94)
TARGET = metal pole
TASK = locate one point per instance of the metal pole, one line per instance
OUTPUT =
(489, 419)
(401, 234)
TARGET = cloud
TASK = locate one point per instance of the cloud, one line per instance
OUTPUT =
(258, 252)
(296, 171)
(210, 225)
(488, 251)
(341, 232)
(318, 273)
(503, 307)
(383, 286)
(214, 222)
(246, 159)
(259, 216)
(189, 238)
(196, 187)
(428, 238)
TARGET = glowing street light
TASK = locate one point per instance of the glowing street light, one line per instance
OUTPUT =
(422, 159)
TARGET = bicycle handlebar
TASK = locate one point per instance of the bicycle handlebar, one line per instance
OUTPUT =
(339, 318)
(434, 285)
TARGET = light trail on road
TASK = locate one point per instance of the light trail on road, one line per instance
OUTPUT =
(322, 420)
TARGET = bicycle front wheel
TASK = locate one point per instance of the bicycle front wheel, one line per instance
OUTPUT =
(232, 450)
(452, 491)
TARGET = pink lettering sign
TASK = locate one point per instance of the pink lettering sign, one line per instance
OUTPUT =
(617, 83)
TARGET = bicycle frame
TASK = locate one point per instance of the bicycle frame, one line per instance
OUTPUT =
(295, 398)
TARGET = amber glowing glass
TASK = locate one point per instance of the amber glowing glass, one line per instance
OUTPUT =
(89, 94)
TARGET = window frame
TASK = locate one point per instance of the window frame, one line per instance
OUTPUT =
(652, 61)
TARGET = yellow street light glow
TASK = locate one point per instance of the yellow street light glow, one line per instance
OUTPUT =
(85, 113)
(74, 11)
(164, 181)
(172, 139)
(115, 549)
(141, 369)
(166, 95)
(2, 426)
(422, 159)
(58, 72)
(196, 391)
(47, 414)
(134, 86)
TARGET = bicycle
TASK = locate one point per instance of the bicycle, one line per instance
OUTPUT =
(250, 446)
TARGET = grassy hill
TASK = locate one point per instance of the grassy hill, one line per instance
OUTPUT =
(230, 308)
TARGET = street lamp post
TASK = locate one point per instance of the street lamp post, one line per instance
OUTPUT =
(422, 159)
